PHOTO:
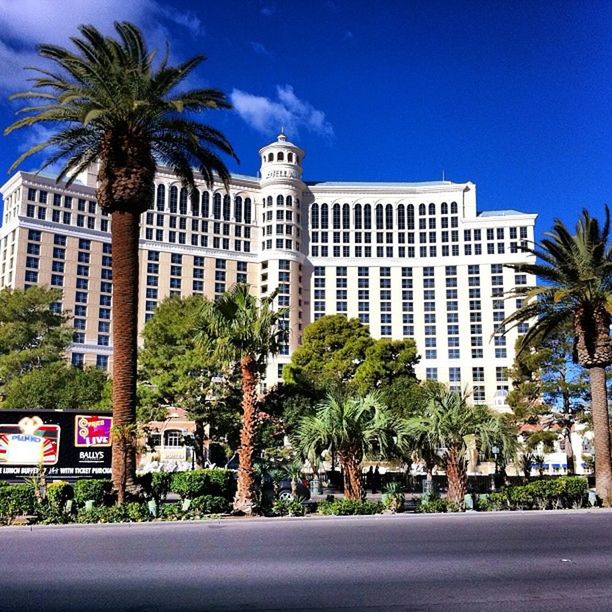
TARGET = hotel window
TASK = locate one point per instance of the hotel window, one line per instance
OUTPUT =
(478, 394)
(102, 362)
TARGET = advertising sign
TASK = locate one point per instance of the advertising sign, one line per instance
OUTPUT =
(68, 444)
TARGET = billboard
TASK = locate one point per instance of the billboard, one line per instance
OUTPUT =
(68, 444)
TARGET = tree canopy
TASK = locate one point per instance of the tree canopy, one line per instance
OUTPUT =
(32, 333)
(59, 386)
(33, 341)
(177, 370)
(340, 354)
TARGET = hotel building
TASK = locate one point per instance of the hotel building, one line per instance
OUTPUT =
(411, 260)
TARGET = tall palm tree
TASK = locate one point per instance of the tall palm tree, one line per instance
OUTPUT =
(452, 425)
(110, 103)
(576, 270)
(239, 328)
(351, 426)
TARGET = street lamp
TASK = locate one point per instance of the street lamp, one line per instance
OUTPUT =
(495, 451)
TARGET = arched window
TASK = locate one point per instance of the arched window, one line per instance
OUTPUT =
(290, 157)
(421, 209)
(314, 216)
(173, 437)
(444, 208)
(453, 208)
(279, 200)
(217, 206)
(336, 216)
(226, 207)
(432, 209)
(346, 217)
(324, 216)
(161, 197)
(289, 201)
(173, 199)
(238, 209)
(389, 217)
(269, 200)
(247, 210)
(280, 156)
(205, 204)
(271, 157)
(410, 216)
(401, 217)
(358, 216)
(379, 216)
(367, 217)
(195, 203)
(183, 201)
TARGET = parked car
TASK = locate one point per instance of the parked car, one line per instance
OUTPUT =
(283, 486)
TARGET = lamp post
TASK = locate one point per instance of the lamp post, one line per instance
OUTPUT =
(495, 451)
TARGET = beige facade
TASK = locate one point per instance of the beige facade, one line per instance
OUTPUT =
(409, 259)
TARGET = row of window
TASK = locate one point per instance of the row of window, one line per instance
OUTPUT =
(384, 216)
(180, 201)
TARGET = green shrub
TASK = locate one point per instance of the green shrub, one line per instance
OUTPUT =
(155, 485)
(195, 483)
(393, 497)
(160, 486)
(540, 492)
(499, 500)
(172, 512)
(556, 493)
(431, 505)
(209, 504)
(96, 490)
(58, 493)
(520, 498)
(132, 512)
(289, 507)
(575, 491)
(16, 500)
(454, 506)
(483, 503)
(346, 507)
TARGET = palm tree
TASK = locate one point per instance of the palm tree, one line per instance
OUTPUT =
(111, 104)
(577, 274)
(238, 328)
(351, 426)
(453, 426)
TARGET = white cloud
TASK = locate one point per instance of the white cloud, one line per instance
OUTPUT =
(288, 112)
(26, 23)
(268, 10)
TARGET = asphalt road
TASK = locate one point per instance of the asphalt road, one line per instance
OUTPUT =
(494, 561)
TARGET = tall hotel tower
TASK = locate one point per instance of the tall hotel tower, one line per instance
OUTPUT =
(411, 260)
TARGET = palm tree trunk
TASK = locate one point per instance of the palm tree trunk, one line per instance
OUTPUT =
(351, 466)
(456, 472)
(601, 435)
(125, 235)
(245, 501)
(569, 450)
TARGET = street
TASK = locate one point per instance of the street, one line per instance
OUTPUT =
(490, 561)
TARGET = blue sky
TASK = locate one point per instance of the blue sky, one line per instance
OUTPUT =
(515, 96)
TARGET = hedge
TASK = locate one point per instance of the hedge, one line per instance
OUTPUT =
(554, 494)
(196, 483)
